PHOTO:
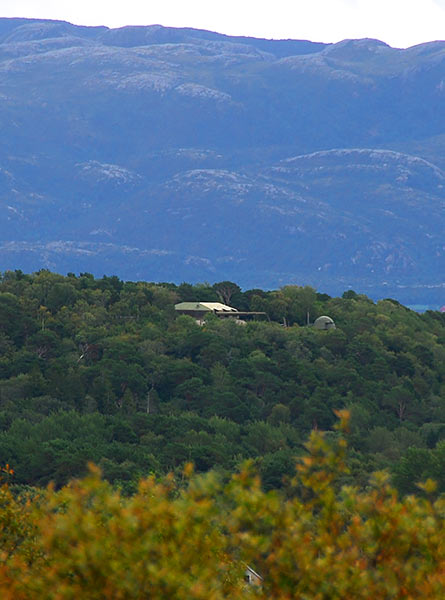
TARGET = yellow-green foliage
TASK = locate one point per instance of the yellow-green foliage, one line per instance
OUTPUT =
(325, 541)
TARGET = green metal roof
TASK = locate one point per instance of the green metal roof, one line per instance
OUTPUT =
(204, 307)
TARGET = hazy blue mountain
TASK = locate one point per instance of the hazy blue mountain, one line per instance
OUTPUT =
(179, 154)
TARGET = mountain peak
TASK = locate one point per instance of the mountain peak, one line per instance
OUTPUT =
(356, 49)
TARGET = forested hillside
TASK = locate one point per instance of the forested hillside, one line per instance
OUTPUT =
(104, 370)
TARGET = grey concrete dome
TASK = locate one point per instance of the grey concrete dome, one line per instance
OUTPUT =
(324, 322)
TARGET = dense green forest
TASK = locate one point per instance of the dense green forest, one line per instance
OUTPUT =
(104, 370)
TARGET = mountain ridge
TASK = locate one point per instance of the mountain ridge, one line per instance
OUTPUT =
(219, 157)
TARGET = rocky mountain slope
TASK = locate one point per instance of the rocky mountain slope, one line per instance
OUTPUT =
(179, 154)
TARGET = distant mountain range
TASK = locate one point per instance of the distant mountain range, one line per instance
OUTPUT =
(179, 154)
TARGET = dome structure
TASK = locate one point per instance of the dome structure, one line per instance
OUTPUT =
(324, 322)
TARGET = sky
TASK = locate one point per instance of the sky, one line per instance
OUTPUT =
(400, 23)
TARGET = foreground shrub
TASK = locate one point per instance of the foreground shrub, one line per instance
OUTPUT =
(324, 541)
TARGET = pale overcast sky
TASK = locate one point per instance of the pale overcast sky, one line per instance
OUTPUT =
(400, 23)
